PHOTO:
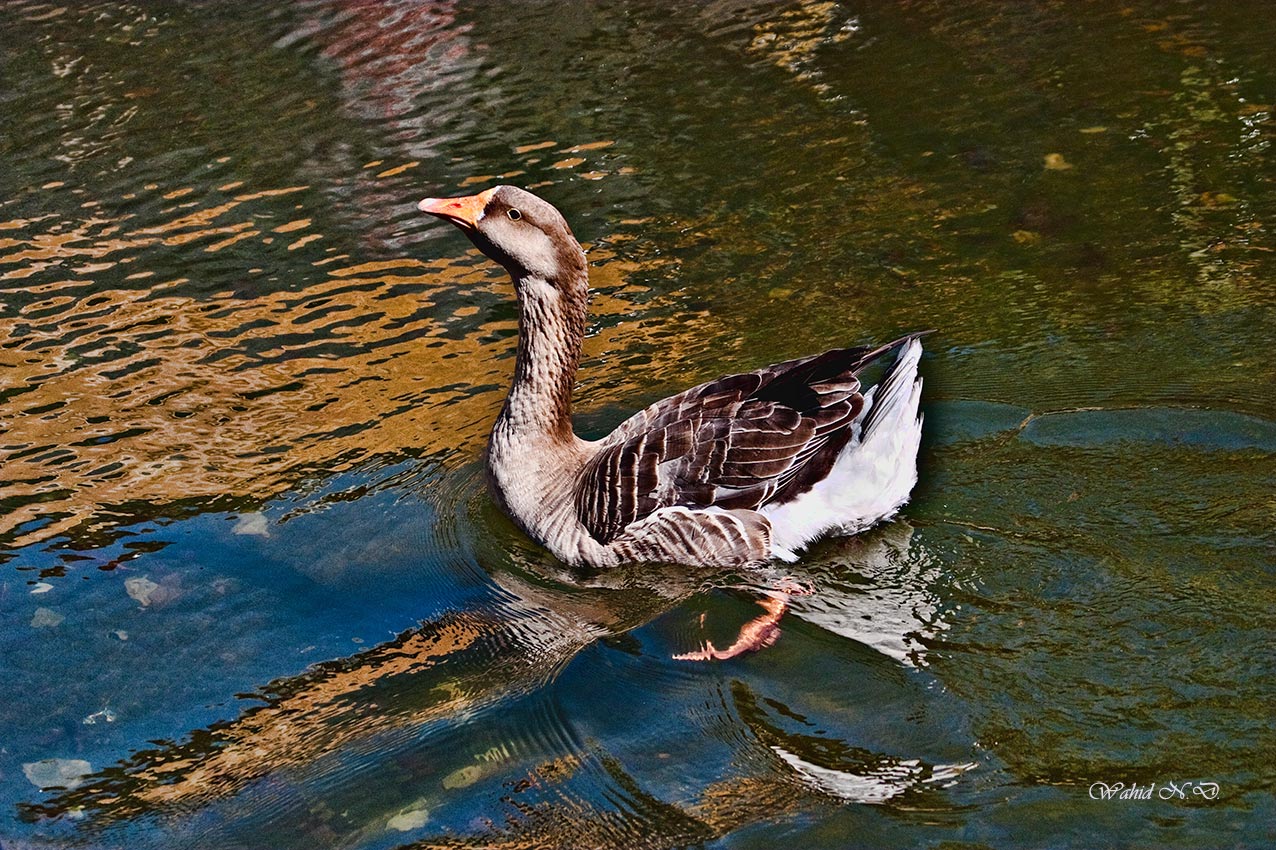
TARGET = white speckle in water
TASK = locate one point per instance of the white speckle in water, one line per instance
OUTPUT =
(103, 716)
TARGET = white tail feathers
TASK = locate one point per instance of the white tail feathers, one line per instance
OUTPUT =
(874, 473)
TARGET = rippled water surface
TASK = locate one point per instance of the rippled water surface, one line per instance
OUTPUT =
(253, 593)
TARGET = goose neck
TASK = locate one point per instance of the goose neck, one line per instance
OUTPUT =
(551, 328)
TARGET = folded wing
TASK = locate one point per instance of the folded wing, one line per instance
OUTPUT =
(738, 442)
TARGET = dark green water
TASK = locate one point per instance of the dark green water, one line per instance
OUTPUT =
(253, 594)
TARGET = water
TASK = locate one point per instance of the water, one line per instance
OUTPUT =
(253, 593)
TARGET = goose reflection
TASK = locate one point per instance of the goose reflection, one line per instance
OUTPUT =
(877, 589)
(450, 669)
(463, 667)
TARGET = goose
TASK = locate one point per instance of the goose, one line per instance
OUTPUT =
(743, 470)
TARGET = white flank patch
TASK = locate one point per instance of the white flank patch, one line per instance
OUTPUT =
(871, 480)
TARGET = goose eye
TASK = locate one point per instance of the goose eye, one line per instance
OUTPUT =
(514, 215)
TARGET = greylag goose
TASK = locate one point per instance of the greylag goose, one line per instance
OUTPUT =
(745, 469)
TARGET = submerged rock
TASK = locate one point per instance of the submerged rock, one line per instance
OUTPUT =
(57, 773)
(252, 524)
(46, 618)
(1056, 162)
(142, 589)
(463, 777)
(408, 820)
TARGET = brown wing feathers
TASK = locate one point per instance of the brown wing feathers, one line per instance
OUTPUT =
(738, 442)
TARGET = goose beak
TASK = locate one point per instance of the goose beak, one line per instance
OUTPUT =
(464, 212)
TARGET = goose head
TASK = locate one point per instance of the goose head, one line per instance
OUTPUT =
(520, 231)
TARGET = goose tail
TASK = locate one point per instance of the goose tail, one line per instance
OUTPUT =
(876, 471)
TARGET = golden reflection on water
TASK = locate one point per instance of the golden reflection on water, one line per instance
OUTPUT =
(153, 394)
(466, 662)
(456, 664)
(328, 710)
(316, 714)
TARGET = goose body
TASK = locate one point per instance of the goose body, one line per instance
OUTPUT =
(748, 468)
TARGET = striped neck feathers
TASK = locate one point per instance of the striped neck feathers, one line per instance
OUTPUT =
(551, 328)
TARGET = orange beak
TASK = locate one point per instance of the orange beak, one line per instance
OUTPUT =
(463, 212)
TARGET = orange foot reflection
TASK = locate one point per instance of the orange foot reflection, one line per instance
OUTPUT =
(758, 633)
